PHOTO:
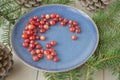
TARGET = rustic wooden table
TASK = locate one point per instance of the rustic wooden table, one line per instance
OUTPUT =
(24, 72)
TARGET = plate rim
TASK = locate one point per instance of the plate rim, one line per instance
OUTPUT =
(78, 65)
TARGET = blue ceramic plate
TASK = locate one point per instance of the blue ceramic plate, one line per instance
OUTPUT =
(71, 53)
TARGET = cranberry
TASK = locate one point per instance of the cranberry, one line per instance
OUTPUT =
(42, 22)
(60, 19)
(46, 52)
(65, 20)
(48, 45)
(74, 37)
(46, 27)
(72, 29)
(37, 37)
(35, 17)
(30, 49)
(77, 31)
(27, 41)
(33, 52)
(53, 15)
(51, 50)
(56, 59)
(53, 53)
(40, 56)
(42, 31)
(25, 45)
(42, 50)
(32, 45)
(32, 42)
(47, 16)
(75, 23)
(29, 32)
(49, 57)
(58, 16)
(30, 27)
(70, 22)
(42, 37)
(32, 38)
(24, 36)
(43, 16)
(63, 23)
(38, 51)
(70, 25)
(38, 46)
(35, 58)
(52, 22)
(53, 43)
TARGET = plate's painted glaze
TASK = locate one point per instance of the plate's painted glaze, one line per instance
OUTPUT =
(71, 53)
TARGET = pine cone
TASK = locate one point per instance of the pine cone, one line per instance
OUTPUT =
(6, 61)
(29, 3)
(95, 4)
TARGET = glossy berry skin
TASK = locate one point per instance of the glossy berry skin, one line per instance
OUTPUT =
(74, 37)
(24, 36)
(51, 50)
(25, 45)
(32, 45)
(42, 31)
(42, 50)
(49, 57)
(35, 58)
(52, 22)
(72, 29)
(75, 23)
(40, 56)
(63, 23)
(38, 51)
(38, 46)
(47, 16)
(53, 53)
(33, 52)
(30, 27)
(53, 15)
(56, 59)
(77, 31)
(46, 52)
(48, 45)
(27, 41)
(46, 27)
(42, 37)
(43, 16)
(53, 43)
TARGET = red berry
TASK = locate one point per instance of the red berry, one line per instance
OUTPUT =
(30, 49)
(35, 17)
(32, 38)
(29, 32)
(32, 42)
(42, 31)
(26, 40)
(37, 37)
(30, 27)
(49, 57)
(32, 45)
(46, 27)
(25, 45)
(52, 22)
(43, 16)
(77, 31)
(46, 52)
(38, 46)
(35, 58)
(38, 51)
(63, 23)
(47, 16)
(53, 43)
(74, 37)
(53, 15)
(42, 37)
(53, 53)
(56, 59)
(65, 20)
(75, 23)
(58, 16)
(42, 22)
(33, 52)
(40, 56)
(72, 29)
(24, 36)
(42, 50)
(70, 22)
(48, 45)
(51, 50)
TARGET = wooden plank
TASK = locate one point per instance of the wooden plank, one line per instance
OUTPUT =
(99, 75)
(21, 71)
(108, 75)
